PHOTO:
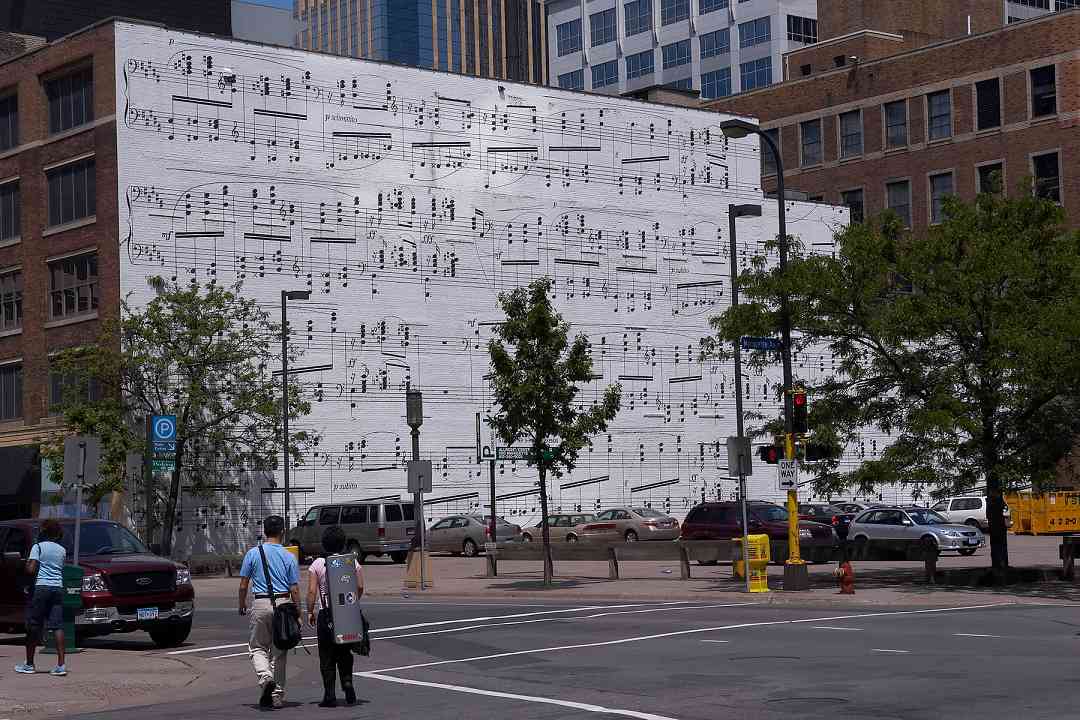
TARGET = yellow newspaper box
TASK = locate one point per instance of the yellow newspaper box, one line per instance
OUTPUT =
(759, 562)
(295, 552)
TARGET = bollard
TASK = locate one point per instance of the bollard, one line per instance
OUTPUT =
(613, 564)
(72, 579)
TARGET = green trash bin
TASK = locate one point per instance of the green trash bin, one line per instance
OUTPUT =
(72, 579)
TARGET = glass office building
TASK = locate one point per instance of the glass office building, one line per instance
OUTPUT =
(490, 38)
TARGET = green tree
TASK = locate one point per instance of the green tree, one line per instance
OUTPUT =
(203, 354)
(536, 377)
(959, 341)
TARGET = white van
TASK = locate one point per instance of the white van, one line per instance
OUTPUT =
(371, 528)
(968, 510)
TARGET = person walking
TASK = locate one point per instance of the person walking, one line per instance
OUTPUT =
(46, 608)
(332, 656)
(284, 572)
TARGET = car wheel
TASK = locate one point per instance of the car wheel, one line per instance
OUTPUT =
(526, 537)
(968, 552)
(630, 536)
(972, 522)
(399, 557)
(571, 538)
(171, 635)
(469, 549)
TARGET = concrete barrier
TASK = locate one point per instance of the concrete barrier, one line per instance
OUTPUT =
(614, 554)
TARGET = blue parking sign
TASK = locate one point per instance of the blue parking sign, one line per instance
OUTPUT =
(163, 428)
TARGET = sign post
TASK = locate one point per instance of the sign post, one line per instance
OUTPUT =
(82, 455)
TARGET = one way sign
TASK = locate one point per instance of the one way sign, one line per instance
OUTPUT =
(788, 473)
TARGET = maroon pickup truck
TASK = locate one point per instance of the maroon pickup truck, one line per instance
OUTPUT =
(125, 587)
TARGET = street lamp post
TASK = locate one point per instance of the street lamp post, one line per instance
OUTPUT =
(796, 576)
(287, 295)
(414, 417)
(738, 211)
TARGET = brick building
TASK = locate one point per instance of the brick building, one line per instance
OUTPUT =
(897, 106)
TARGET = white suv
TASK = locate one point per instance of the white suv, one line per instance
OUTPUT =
(970, 510)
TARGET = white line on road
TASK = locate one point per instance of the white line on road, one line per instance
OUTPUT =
(188, 651)
(640, 638)
(831, 627)
(514, 696)
(885, 650)
(716, 641)
(245, 654)
(974, 635)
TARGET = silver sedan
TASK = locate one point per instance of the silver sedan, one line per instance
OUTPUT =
(630, 524)
(902, 527)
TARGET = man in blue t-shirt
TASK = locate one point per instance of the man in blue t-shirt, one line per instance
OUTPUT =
(268, 661)
(46, 606)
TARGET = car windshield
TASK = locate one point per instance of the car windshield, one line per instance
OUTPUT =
(927, 517)
(770, 513)
(100, 538)
(649, 513)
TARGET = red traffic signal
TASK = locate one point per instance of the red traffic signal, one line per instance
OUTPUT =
(799, 423)
(769, 454)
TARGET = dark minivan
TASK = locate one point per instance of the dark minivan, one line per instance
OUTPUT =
(125, 586)
(723, 521)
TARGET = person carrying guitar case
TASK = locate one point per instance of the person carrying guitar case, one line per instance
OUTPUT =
(333, 656)
(273, 575)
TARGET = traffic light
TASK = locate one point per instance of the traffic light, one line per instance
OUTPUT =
(819, 451)
(798, 415)
(769, 454)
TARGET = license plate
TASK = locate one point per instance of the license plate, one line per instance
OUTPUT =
(973, 541)
(147, 613)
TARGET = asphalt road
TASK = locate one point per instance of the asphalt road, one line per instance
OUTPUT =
(652, 661)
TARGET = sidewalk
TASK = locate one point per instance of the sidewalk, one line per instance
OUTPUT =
(99, 679)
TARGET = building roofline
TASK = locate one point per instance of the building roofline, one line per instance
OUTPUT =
(847, 36)
(1049, 17)
(199, 33)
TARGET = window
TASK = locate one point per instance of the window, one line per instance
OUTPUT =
(73, 286)
(717, 42)
(806, 69)
(991, 177)
(801, 30)
(392, 513)
(1047, 176)
(568, 37)
(9, 122)
(606, 515)
(672, 11)
(639, 65)
(811, 142)
(311, 516)
(851, 134)
(574, 80)
(708, 6)
(685, 83)
(987, 104)
(676, 54)
(967, 504)
(65, 388)
(898, 199)
(16, 543)
(896, 124)
(754, 32)
(602, 27)
(445, 524)
(939, 115)
(716, 83)
(768, 160)
(605, 74)
(72, 193)
(11, 289)
(329, 515)
(853, 201)
(71, 100)
(1041, 4)
(941, 185)
(638, 16)
(755, 74)
(354, 514)
(1043, 91)
(408, 512)
(9, 210)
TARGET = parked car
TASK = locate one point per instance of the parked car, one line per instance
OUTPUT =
(372, 528)
(846, 512)
(630, 524)
(562, 527)
(897, 528)
(125, 586)
(723, 521)
(466, 534)
(968, 510)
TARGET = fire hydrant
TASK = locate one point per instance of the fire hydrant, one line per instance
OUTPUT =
(846, 575)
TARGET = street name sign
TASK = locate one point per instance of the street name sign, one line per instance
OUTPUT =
(760, 343)
(512, 453)
(787, 471)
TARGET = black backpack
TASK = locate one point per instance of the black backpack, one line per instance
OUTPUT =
(286, 617)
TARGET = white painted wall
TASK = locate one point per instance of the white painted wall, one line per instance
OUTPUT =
(310, 171)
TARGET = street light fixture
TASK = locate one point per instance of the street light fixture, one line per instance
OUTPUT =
(287, 295)
(414, 417)
(796, 576)
(738, 211)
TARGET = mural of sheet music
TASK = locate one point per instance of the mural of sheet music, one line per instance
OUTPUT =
(406, 200)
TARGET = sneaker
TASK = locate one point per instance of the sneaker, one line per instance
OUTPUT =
(279, 701)
(25, 669)
(350, 696)
(328, 702)
(267, 698)
(59, 671)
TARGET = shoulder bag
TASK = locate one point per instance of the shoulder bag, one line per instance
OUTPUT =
(286, 627)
